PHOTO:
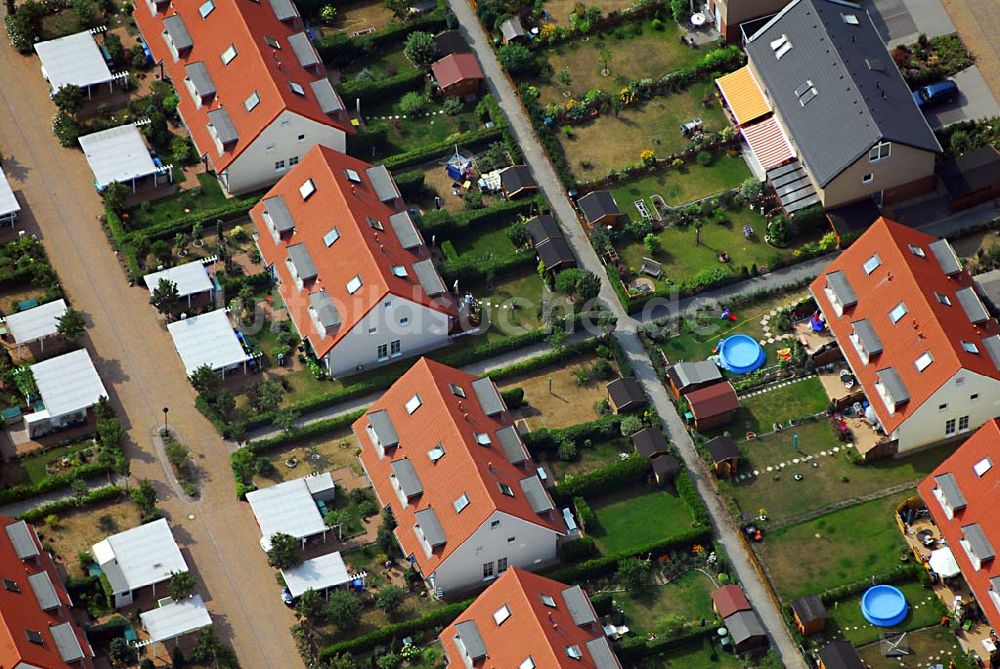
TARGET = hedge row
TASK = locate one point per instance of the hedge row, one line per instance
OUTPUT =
(636, 647)
(375, 90)
(305, 432)
(513, 398)
(387, 633)
(472, 269)
(547, 441)
(104, 494)
(49, 483)
(688, 494)
(411, 184)
(445, 223)
(236, 207)
(545, 359)
(341, 49)
(618, 474)
(903, 573)
(467, 139)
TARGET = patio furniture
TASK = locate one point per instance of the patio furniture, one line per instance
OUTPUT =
(640, 205)
(692, 126)
(747, 231)
(652, 268)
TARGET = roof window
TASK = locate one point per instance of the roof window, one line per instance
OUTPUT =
(924, 361)
(942, 298)
(982, 467)
(456, 390)
(413, 404)
(271, 42)
(11, 585)
(529, 663)
(806, 92)
(917, 251)
(850, 19)
(400, 271)
(34, 636)
(483, 439)
(252, 101)
(229, 54)
(549, 601)
(781, 46)
(206, 8)
(375, 223)
(574, 652)
(872, 264)
(352, 175)
(307, 189)
(970, 347)
(461, 503)
(897, 312)
(501, 614)
(330, 237)
(436, 453)
(354, 285)
(505, 489)
(297, 88)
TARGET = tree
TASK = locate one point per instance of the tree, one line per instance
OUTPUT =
(564, 79)
(517, 233)
(284, 551)
(80, 490)
(71, 326)
(115, 196)
(566, 280)
(751, 190)
(390, 599)
(400, 8)
(113, 43)
(162, 251)
(697, 231)
(517, 59)
(24, 25)
(181, 150)
(144, 496)
(343, 609)
(605, 56)
(310, 606)
(181, 585)
(177, 659)
(85, 12)
(588, 285)
(69, 98)
(679, 9)
(420, 49)
(557, 339)
(120, 651)
(66, 128)
(327, 14)
(341, 661)
(630, 425)
(633, 573)
(165, 296)
(206, 381)
(266, 395)
(286, 419)
(652, 243)
(157, 130)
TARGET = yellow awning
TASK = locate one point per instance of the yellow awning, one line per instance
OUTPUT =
(743, 95)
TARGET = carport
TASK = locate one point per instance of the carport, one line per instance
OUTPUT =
(120, 154)
(9, 206)
(319, 574)
(35, 324)
(175, 619)
(208, 339)
(190, 278)
(75, 60)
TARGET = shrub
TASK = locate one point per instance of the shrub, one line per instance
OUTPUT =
(452, 106)
(420, 49)
(567, 451)
(24, 25)
(584, 513)
(633, 574)
(630, 425)
(705, 158)
(181, 150)
(581, 549)
(473, 199)
(513, 398)
(66, 128)
(652, 244)
(414, 103)
(517, 59)
(85, 12)
(440, 617)
(610, 477)
(343, 609)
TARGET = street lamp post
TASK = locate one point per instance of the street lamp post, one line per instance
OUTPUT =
(166, 410)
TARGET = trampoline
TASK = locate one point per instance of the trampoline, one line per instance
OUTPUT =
(741, 354)
(884, 606)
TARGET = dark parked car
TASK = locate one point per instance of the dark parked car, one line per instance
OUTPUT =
(933, 95)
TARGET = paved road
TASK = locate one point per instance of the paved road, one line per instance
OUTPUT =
(141, 370)
(978, 22)
(975, 101)
(626, 332)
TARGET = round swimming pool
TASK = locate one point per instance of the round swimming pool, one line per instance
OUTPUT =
(741, 354)
(884, 606)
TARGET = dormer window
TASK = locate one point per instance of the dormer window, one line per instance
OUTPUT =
(781, 46)
(229, 54)
(307, 189)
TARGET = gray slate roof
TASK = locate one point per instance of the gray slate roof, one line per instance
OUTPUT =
(382, 182)
(948, 485)
(515, 178)
(512, 28)
(383, 428)
(511, 445)
(555, 252)
(429, 279)
(945, 254)
(722, 448)
(538, 499)
(860, 96)
(223, 123)
(303, 49)
(893, 382)
(430, 526)
(326, 310)
(992, 346)
(650, 442)
(809, 608)
(601, 653)
(691, 373)
(303, 262)
(841, 287)
(468, 632)
(202, 80)
(488, 396)
(579, 606)
(277, 210)
(405, 229)
(20, 537)
(179, 35)
(327, 98)
(840, 655)
(67, 642)
(597, 204)
(45, 592)
(541, 228)
(976, 537)
(406, 477)
(284, 9)
(868, 337)
(972, 305)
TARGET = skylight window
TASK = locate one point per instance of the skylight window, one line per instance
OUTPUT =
(501, 614)
(436, 454)
(781, 46)
(917, 251)
(206, 8)
(330, 237)
(252, 101)
(483, 439)
(400, 271)
(872, 264)
(924, 361)
(307, 189)
(461, 503)
(942, 298)
(354, 285)
(506, 489)
(529, 663)
(970, 347)
(297, 88)
(34, 637)
(11, 585)
(549, 601)
(413, 404)
(574, 652)
(352, 175)
(375, 223)
(806, 92)
(850, 19)
(229, 54)
(271, 42)
(982, 467)
(897, 312)
(456, 390)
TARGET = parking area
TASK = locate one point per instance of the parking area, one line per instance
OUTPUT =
(902, 21)
(975, 101)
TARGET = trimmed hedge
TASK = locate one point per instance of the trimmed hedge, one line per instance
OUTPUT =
(635, 647)
(372, 90)
(383, 635)
(580, 549)
(445, 223)
(470, 269)
(301, 434)
(513, 398)
(411, 184)
(233, 208)
(104, 494)
(547, 441)
(616, 475)
(904, 573)
(431, 151)
(688, 494)
(48, 484)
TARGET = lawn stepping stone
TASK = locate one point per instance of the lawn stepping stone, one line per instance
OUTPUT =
(773, 312)
(770, 469)
(770, 340)
(762, 342)
(795, 461)
(822, 452)
(836, 449)
(756, 472)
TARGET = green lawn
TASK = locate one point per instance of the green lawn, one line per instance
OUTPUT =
(637, 52)
(925, 610)
(779, 405)
(612, 142)
(659, 608)
(637, 517)
(834, 549)
(514, 303)
(691, 182)
(932, 643)
(388, 63)
(589, 459)
(489, 240)
(407, 134)
(207, 195)
(694, 654)
(31, 469)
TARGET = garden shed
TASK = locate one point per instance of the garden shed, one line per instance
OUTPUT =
(27, 327)
(69, 386)
(458, 75)
(809, 613)
(665, 468)
(74, 60)
(729, 599)
(625, 394)
(840, 655)
(725, 456)
(9, 206)
(599, 208)
(555, 254)
(293, 507)
(176, 619)
(650, 443)
(449, 42)
(517, 180)
(319, 574)
(512, 30)
(972, 178)
(687, 376)
(191, 279)
(746, 631)
(208, 339)
(713, 406)
(120, 155)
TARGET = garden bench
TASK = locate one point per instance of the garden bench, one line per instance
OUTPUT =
(643, 209)
(652, 268)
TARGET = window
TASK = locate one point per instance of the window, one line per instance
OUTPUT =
(456, 390)
(982, 466)
(872, 264)
(252, 101)
(574, 652)
(395, 347)
(387, 304)
(206, 8)
(505, 489)
(501, 614)
(897, 312)
(11, 585)
(529, 663)
(868, 178)
(229, 54)
(302, 138)
(850, 19)
(271, 42)
(436, 453)
(880, 151)
(960, 381)
(34, 637)
(352, 176)
(917, 251)
(461, 503)
(354, 285)
(297, 88)
(400, 271)
(781, 46)
(974, 397)
(373, 329)
(549, 601)
(487, 570)
(942, 407)
(494, 524)
(510, 540)
(375, 223)
(501, 565)
(405, 320)
(942, 298)
(307, 189)
(949, 427)
(924, 361)
(294, 160)
(279, 165)
(383, 352)
(483, 439)
(413, 404)
(963, 424)
(806, 92)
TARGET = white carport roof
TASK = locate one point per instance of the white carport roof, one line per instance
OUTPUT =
(37, 322)
(289, 508)
(74, 59)
(320, 573)
(208, 339)
(8, 203)
(117, 154)
(173, 620)
(142, 556)
(191, 278)
(68, 383)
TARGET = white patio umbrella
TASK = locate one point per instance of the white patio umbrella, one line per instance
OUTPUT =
(943, 563)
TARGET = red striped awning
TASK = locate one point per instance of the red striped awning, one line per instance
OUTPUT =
(768, 143)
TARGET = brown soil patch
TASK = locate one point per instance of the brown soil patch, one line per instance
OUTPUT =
(80, 529)
(323, 454)
(567, 404)
(559, 10)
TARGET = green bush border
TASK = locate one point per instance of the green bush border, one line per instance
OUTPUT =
(95, 496)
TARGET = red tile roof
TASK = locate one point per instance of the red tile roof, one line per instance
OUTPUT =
(21, 611)
(713, 400)
(533, 628)
(909, 272)
(257, 67)
(729, 599)
(446, 419)
(980, 506)
(361, 249)
(456, 67)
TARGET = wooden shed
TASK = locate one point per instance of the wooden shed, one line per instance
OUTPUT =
(713, 406)
(625, 394)
(725, 456)
(809, 613)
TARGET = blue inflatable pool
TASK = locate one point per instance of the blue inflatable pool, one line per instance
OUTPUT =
(884, 606)
(741, 354)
